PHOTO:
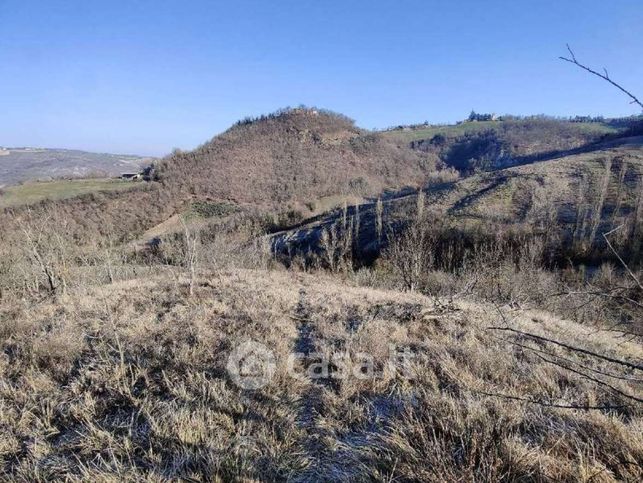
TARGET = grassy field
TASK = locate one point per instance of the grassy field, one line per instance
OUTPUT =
(457, 130)
(30, 193)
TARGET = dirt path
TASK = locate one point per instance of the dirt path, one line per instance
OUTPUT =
(311, 405)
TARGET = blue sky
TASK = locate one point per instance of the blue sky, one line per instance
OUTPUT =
(146, 76)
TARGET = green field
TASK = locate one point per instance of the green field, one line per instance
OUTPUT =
(456, 130)
(33, 192)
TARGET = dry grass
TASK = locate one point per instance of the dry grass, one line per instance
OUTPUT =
(128, 382)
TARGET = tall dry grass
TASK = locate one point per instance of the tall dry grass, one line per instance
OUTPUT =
(128, 382)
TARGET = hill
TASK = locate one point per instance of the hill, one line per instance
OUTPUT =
(294, 156)
(580, 196)
(421, 132)
(294, 161)
(489, 145)
(32, 164)
(170, 331)
(300, 162)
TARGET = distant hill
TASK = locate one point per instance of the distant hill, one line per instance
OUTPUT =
(294, 156)
(488, 145)
(31, 164)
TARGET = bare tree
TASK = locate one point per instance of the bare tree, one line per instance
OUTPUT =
(411, 252)
(336, 244)
(379, 215)
(344, 214)
(628, 297)
(35, 247)
(47, 249)
(191, 253)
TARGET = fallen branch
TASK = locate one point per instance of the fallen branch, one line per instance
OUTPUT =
(638, 367)
(549, 405)
(540, 351)
(593, 379)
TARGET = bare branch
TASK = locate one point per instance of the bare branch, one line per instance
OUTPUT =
(598, 293)
(605, 76)
(546, 404)
(571, 52)
(591, 378)
(627, 268)
(550, 354)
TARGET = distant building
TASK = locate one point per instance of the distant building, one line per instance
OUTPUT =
(475, 117)
(132, 176)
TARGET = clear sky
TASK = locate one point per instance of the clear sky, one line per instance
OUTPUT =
(144, 76)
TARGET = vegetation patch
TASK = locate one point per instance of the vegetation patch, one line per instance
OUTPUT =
(211, 209)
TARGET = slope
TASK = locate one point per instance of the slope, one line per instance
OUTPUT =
(580, 195)
(488, 145)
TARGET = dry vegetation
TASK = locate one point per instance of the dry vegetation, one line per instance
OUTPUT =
(119, 311)
(128, 381)
(114, 368)
(295, 156)
(571, 200)
(489, 145)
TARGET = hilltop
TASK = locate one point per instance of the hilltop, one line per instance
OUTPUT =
(283, 162)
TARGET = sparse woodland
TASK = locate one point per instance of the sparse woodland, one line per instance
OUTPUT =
(517, 293)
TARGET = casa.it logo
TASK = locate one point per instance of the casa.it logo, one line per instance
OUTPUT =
(251, 365)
